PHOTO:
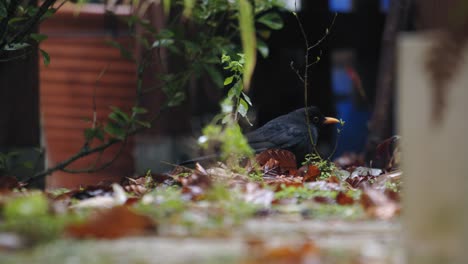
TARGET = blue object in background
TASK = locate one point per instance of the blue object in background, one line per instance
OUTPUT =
(340, 6)
(384, 5)
(354, 133)
(346, 6)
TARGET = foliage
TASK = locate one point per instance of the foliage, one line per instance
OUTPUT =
(228, 133)
(17, 22)
(30, 217)
(218, 25)
(326, 167)
(302, 193)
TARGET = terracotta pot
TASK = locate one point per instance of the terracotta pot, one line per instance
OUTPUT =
(78, 51)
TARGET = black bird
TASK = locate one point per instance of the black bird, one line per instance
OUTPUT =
(289, 131)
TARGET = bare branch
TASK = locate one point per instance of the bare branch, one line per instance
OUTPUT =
(297, 72)
(327, 31)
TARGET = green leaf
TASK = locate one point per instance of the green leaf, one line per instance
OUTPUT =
(32, 205)
(228, 80)
(162, 43)
(226, 119)
(146, 25)
(144, 123)
(27, 164)
(165, 34)
(271, 20)
(262, 48)
(99, 134)
(115, 130)
(16, 20)
(225, 58)
(243, 107)
(89, 134)
(249, 45)
(139, 110)
(247, 98)
(38, 37)
(45, 57)
(119, 116)
(50, 12)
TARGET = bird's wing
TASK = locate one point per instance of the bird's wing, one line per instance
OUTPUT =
(275, 135)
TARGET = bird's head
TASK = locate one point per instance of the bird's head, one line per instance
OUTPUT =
(317, 120)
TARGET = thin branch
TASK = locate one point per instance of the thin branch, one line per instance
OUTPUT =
(306, 80)
(327, 32)
(297, 72)
(87, 151)
(103, 166)
(103, 71)
(307, 65)
(317, 60)
(73, 158)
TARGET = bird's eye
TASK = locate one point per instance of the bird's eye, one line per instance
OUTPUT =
(315, 119)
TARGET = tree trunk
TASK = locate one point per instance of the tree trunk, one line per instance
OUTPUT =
(381, 124)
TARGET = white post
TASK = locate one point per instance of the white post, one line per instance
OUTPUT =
(435, 158)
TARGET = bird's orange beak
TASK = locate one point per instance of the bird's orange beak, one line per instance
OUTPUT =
(330, 120)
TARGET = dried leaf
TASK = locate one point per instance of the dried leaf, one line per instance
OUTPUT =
(333, 179)
(138, 186)
(312, 173)
(255, 194)
(357, 182)
(344, 199)
(324, 200)
(377, 204)
(307, 252)
(193, 192)
(113, 223)
(349, 160)
(196, 179)
(285, 159)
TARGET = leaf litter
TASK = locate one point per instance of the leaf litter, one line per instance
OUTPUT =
(212, 201)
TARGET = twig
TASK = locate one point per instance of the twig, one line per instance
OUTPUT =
(296, 71)
(307, 65)
(103, 71)
(103, 166)
(87, 151)
(327, 31)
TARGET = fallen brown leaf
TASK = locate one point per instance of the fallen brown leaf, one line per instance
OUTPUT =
(312, 173)
(377, 204)
(260, 253)
(119, 221)
(344, 199)
(285, 160)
